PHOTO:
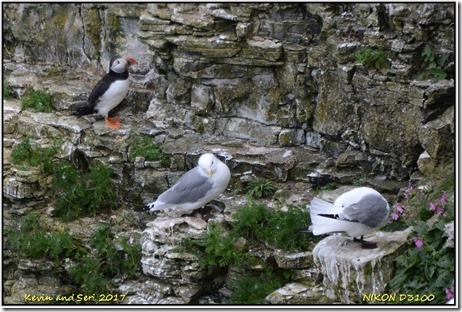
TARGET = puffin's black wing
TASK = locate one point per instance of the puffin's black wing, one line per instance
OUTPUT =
(100, 88)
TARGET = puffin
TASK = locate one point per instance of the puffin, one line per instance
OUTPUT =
(109, 91)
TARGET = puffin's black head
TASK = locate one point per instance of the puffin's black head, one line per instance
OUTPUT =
(119, 64)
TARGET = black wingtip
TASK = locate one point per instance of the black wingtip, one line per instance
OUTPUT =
(141, 209)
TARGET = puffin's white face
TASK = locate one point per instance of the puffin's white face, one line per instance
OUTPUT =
(120, 64)
(208, 163)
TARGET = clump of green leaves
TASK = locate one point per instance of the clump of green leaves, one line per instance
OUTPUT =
(257, 224)
(328, 187)
(260, 189)
(372, 58)
(427, 266)
(30, 239)
(219, 246)
(94, 264)
(254, 225)
(95, 271)
(276, 228)
(252, 288)
(6, 91)
(82, 194)
(32, 155)
(145, 147)
(38, 100)
(433, 67)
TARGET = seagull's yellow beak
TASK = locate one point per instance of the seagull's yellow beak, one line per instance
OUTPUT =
(209, 172)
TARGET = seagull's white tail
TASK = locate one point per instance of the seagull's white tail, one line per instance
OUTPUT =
(324, 225)
(319, 206)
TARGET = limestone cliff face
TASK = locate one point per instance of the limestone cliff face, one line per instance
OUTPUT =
(276, 89)
(273, 74)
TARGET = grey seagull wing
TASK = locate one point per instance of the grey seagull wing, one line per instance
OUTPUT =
(190, 188)
(371, 210)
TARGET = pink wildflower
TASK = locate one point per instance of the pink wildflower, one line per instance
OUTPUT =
(449, 293)
(439, 210)
(394, 216)
(443, 198)
(408, 191)
(400, 208)
(418, 242)
(433, 206)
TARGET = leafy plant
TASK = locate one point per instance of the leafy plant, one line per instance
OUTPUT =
(433, 66)
(260, 189)
(94, 272)
(256, 224)
(218, 246)
(427, 266)
(253, 287)
(82, 194)
(32, 240)
(328, 187)
(145, 147)
(32, 155)
(39, 100)
(93, 265)
(277, 228)
(372, 58)
(6, 91)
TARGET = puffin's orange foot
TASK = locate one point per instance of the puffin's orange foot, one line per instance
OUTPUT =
(113, 123)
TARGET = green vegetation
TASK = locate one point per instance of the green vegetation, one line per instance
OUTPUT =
(260, 189)
(82, 194)
(218, 245)
(328, 187)
(276, 228)
(93, 265)
(39, 100)
(254, 225)
(95, 271)
(32, 240)
(145, 147)
(433, 67)
(32, 155)
(253, 288)
(427, 265)
(372, 59)
(77, 193)
(6, 90)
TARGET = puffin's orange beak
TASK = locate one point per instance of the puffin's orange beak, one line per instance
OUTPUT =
(131, 60)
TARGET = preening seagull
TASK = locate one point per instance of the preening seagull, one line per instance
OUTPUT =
(358, 212)
(195, 188)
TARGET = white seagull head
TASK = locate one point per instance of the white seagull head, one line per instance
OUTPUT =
(208, 163)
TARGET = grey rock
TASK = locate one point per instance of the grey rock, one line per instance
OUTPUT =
(437, 136)
(426, 163)
(295, 293)
(299, 260)
(349, 271)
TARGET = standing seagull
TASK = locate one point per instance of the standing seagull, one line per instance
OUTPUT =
(358, 212)
(109, 91)
(195, 188)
